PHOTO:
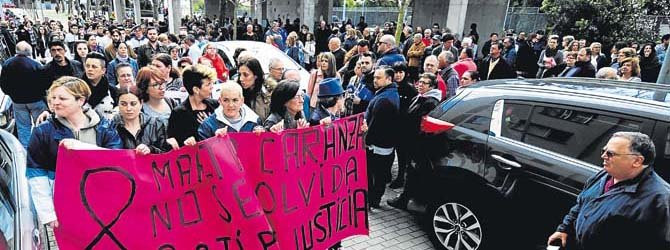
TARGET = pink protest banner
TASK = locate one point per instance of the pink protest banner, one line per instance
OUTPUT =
(301, 189)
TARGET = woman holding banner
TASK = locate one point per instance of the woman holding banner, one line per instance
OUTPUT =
(286, 106)
(73, 127)
(232, 115)
(139, 131)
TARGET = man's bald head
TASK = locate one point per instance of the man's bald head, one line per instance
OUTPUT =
(23, 48)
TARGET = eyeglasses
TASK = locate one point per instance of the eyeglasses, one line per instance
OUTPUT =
(424, 82)
(610, 154)
(158, 85)
(378, 43)
(299, 96)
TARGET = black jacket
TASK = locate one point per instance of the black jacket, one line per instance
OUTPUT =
(502, 70)
(23, 80)
(339, 58)
(153, 133)
(633, 214)
(649, 69)
(9, 39)
(146, 52)
(382, 117)
(420, 106)
(183, 122)
(53, 71)
(581, 69)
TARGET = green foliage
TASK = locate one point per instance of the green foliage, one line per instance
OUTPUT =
(606, 21)
(198, 5)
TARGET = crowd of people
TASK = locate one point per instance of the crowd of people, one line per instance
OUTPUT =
(104, 84)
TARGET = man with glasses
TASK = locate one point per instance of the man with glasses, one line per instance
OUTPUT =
(625, 206)
(61, 65)
(388, 53)
(276, 67)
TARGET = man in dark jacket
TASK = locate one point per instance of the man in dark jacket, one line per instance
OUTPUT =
(61, 65)
(382, 124)
(321, 35)
(494, 68)
(486, 49)
(625, 206)
(447, 45)
(583, 66)
(29, 34)
(388, 52)
(335, 47)
(9, 38)
(23, 81)
(148, 50)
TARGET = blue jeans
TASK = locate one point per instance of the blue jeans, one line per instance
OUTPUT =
(25, 114)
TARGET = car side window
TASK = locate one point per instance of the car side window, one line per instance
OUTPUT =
(667, 145)
(514, 120)
(573, 132)
(476, 115)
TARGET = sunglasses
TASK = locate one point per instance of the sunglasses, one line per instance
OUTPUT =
(610, 154)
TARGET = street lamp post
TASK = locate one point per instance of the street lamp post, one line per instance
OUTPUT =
(344, 9)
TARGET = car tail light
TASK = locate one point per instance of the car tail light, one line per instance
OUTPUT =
(434, 126)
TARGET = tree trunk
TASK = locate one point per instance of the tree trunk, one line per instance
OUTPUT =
(402, 7)
(234, 3)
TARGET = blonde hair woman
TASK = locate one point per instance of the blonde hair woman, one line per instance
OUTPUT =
(74, 127)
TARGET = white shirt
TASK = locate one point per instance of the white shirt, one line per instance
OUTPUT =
(134, 43)
(194, 52)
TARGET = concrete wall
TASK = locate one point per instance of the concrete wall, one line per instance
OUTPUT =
(489, 15)
(428, 12)
(373, 15)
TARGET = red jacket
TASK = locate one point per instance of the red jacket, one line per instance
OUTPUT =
(463, 66)
(219, 65)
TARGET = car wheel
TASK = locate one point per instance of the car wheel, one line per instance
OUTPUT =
(462, 224)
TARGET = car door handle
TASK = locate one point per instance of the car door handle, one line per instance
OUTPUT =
(511, 164)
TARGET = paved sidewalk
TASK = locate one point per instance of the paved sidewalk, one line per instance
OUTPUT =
(391, 229)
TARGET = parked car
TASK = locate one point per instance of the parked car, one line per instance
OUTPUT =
(18, 223)
(521, 151)
(7, 121)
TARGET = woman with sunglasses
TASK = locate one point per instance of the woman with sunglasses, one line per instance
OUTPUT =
(152, 87)
(72, 126)
(139, 131)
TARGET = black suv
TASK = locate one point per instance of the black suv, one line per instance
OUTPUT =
(522, 150)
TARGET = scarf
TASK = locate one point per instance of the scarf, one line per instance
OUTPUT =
(98, 92)
(121, 58)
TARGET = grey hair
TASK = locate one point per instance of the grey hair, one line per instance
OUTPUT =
(390, 39)
(274, 61)
(640, 144)
(448, 56)
(24, 48)
(608, 73)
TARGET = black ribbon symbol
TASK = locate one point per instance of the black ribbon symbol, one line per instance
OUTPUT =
(106, 228)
